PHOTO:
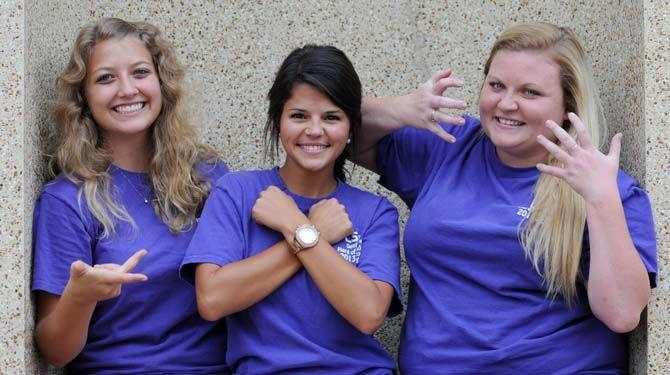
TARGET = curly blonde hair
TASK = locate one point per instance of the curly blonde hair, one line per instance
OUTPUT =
(180, 189)
(553, 235)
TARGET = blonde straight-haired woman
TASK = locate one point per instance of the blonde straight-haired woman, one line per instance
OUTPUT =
(530, 251)
(130, 181)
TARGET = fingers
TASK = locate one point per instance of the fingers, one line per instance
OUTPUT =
(115, 277)
(133, 260)
(582, 133)
(440, 75)
(109, 266)
(615, 146)
(443, 84)
(551, 170)
(437, 129)
(78, 268)
(554, 149)
(448, 119)
(563, 136)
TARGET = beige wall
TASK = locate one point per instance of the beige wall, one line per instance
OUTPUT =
(232, 49)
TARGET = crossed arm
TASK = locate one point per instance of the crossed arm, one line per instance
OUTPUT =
(363, 302)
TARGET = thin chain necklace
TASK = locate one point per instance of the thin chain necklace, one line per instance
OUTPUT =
(144, 198)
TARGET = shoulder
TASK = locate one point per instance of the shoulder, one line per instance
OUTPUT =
(246, 180)
(363, 200)
(62, 189)
(212, 168)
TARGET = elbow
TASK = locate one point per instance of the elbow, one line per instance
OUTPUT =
(54, 355)
(621, 320)
(623, 323)
(55, 362)
(208, 307)
(371, 322)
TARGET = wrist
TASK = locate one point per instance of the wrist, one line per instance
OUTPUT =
(74, 296)
(292, 223)
(603, 196)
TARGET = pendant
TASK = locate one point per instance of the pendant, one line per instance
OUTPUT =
(146, 201)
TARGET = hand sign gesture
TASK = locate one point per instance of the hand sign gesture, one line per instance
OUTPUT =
(102, 281)
(589, 172)
(428, 101)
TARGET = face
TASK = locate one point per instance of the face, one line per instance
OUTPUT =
(520, 93)
(313, 130)
(122, 89)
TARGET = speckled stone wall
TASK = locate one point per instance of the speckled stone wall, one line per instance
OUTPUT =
(657, 178)
(232, 49)
(13, 297)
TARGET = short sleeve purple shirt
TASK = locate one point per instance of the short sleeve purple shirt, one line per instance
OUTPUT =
(294, 329)
(152, 327)
(476, 305)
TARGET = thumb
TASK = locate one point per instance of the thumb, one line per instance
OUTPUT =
(615, 146)
(78, 268)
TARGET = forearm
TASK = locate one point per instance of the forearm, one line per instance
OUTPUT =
(62, 331)
(379, 118)
(618, 285)
(236, 286)
(353, 294)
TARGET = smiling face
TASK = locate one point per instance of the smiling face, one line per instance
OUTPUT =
(122, 89)
(313, 131)
(522, 90)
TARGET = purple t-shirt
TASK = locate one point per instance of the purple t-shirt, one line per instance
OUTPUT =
(295, 329)
(152, 327)
(476, 305)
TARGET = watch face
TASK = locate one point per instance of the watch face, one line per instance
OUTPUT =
(307, 236)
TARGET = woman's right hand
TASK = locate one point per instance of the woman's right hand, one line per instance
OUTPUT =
(427, 106)
(103, 281)
(331, 219)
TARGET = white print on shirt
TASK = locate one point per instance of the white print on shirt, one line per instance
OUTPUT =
(352, 248)
(524, 212)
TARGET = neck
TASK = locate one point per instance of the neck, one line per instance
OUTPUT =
(129, 153)
(520, 161)
(307, 183)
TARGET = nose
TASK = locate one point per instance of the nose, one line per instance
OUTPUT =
(315, 127)
(508, 103)
(127, 87)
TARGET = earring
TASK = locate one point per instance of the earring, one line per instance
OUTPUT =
(348, 140)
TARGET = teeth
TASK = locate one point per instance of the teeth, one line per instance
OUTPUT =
(313, 147)
(505, 121)
(129, 108)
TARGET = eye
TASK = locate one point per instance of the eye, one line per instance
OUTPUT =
(297, 116)
(104, 78)
(141, 72)
(530, 93)
(332, 117)
(496, 85)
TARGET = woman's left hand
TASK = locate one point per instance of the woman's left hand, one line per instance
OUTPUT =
(589, 172)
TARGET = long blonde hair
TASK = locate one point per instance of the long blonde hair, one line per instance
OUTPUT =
(79, 152)
(553, 235)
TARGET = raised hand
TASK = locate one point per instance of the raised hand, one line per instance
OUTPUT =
(331, 219)
(425, 107)
(589, 172)
(103, 281)
(277, 211)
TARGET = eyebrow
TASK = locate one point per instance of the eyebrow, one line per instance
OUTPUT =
(135, 64)
(328, 112)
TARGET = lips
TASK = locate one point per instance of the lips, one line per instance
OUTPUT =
(312, 148)
(509, 122)
(129, 108)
